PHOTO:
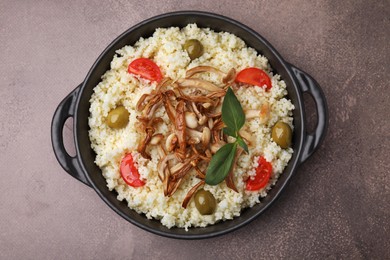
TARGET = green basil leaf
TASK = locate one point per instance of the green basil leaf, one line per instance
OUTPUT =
(220, 164)
(242, 143)
(230, 132)
(232, 113)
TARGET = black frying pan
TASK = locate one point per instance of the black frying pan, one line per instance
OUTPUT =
(76, 105)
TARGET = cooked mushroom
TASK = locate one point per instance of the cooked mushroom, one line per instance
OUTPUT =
(206, 157)
(142, 146)
(206, 135)
(161, 151)
(140, 104)
(213, 115)
(173, 186)
(231, 139)
(191, 120)
(216, 146)
(180, 127)
(171, 112)
(163, 164)
(196, 127)
(156, 139)
(199, 173)
(181, 171)
(203, 137)
(230, 77)
(211, 123)
(229, 179)
(190, 193)
(202, 119)
(247, 136)
(262, 114)
(200, 69)
(207, 105)
(199, 83)
(170, 142)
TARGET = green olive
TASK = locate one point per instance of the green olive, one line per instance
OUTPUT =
(205, 202)
(194, 48)
(282, 134)
(118, 117)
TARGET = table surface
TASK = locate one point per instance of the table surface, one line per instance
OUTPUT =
(336, 205)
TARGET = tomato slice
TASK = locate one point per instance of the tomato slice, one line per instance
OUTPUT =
(254, 76)
(263, 174)
(146, 69)
(129, 172)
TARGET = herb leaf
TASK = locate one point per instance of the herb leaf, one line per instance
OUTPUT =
(220, 164)
(222, 161)
(232, 113)
(230, 132)
(241, 143)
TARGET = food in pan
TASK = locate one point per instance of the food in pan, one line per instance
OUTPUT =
(190, 126)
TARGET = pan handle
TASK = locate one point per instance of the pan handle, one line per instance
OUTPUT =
(65, 110)
(310, 86)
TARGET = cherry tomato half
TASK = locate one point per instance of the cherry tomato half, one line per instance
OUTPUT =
(263, 174)
(129, 172)
(146, 69)
(254, 76)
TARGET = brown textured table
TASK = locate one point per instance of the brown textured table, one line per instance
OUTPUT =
(336, 206)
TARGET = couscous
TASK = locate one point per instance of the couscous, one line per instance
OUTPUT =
(157, 123)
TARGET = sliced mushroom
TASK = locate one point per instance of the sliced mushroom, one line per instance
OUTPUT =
(167, 175)
(152, 102)
(214, 147)
(208, 154)
(142, 146)
(163, 84)
(161, 151)
(184, 168)
(191, 193)
(230, 77)
(231, 139)
(202, 119)
(197, 99)
(173, 186)
(263, 114)
(247, 136)
(199, 83)
(180, 126)
(229, 179)
(177, 167)
(203, 136)
(170, 142)
(207, 105)
(211, 123)
(163, 164)
(150, 112)
(217, 94)
(218, 124)
(213, 115)
(191, 120)
(171, 112)
(199, 173)
(156, 139)
(140, 104)
(204, 157)
(206, 136)
(200, 69)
